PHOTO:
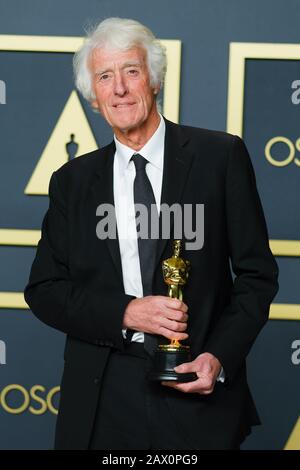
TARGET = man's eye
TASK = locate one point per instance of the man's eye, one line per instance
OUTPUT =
(102, 78)
(133, 72)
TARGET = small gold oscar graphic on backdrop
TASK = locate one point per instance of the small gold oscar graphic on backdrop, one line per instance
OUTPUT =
(167, 356)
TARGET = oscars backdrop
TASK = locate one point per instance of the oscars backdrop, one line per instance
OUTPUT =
(231, 67)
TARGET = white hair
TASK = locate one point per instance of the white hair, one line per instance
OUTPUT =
(119, 34)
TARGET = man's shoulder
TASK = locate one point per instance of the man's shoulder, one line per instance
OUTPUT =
(214, 148)
(208, 136)
(216, 142)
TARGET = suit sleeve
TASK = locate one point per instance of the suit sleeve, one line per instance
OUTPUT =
(253, 264)
(76, 307)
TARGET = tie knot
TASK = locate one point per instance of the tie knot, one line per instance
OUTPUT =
(139, 161)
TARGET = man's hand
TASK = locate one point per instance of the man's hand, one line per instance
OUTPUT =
(158, 315)
(207, 368)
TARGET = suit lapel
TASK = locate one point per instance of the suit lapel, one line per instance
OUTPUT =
(102, 192)
(177, 163)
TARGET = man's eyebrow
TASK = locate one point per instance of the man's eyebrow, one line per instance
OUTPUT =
(132, 64)
(100, 72)
(124, 66)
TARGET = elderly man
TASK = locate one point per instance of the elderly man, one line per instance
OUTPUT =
(108, 294)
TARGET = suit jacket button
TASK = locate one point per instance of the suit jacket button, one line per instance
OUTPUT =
(96, 381)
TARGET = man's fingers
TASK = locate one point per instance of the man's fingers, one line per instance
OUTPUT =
(186, 367)
(173, 325)
(172, 334)
(187, 387)
(203, 386)
(177, 304)
(177, 315)
(204, 368)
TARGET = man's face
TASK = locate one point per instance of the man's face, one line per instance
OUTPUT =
(121, 84)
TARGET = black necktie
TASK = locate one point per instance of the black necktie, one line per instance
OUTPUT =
(143, 194)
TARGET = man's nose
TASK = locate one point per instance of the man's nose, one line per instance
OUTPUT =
(120, 87)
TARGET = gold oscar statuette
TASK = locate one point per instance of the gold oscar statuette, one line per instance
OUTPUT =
(167, 356)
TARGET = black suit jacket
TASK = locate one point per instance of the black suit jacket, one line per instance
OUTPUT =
(76, 281)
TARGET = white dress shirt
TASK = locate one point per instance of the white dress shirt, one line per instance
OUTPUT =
(124, 175)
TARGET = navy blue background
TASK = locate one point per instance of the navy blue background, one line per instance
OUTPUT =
(37, 88)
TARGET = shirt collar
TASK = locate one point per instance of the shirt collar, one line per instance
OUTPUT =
(152, 150)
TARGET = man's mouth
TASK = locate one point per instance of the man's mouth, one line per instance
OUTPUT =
(122, 105)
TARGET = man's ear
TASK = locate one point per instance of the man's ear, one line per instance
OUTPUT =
(94, 104)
